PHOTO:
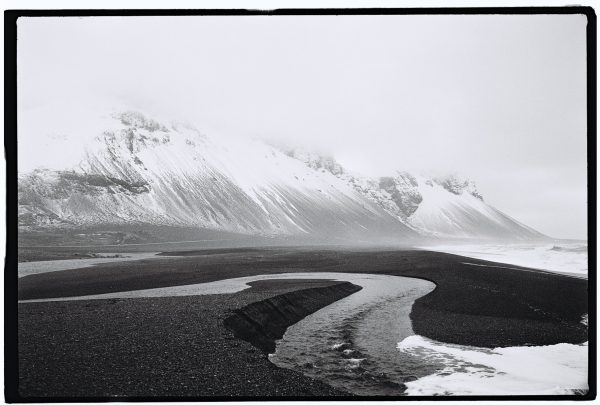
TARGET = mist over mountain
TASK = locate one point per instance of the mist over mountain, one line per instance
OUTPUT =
(138, 170)
(434, 206)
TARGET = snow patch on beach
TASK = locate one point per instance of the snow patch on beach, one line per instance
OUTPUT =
(560, 369)
(557, 257)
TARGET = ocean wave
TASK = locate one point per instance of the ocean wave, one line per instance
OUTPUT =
(571, 249)
(562, 258)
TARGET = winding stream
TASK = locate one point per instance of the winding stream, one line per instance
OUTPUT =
(351, 344)
(364, 344)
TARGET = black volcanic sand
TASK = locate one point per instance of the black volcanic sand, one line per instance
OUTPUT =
(100, 343)
(211, 252)
(170, 346)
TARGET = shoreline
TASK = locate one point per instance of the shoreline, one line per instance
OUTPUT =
(471, 305)
(474, 297)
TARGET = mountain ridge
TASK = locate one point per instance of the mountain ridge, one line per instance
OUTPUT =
(144, 171)
(454, 212)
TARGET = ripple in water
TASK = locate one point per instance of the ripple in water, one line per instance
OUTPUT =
(351, 344)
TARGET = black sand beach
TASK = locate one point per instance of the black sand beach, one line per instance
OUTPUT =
(172, 346)
(180, 346)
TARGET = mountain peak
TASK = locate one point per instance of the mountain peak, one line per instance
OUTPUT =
(457, 185)
(137, 120)
(135, 132)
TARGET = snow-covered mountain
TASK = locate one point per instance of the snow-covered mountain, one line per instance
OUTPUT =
(141, 171)
(435, 206)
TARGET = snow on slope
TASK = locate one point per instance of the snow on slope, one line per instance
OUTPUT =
(442, 206)
(139, 170)
(462, 215)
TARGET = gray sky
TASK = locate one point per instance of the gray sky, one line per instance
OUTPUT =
(500, 99)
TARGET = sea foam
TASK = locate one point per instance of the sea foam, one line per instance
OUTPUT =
(571, 258)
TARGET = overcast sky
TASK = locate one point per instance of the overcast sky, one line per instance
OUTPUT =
(500, 99)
